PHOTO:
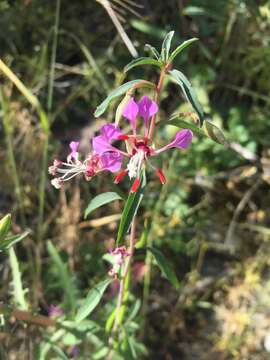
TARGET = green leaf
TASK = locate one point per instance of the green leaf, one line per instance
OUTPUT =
(184, 124)
(5, 224)
(92, 300)
(101, 200)
(210, 130)
(120, 91)
(152, 50)
(164, 266)
(142, 61)
(215, 133)
(166, 45)
(18, 291)
(64, 277)
(180, 48)
(10, 241)
(188, 91)
(131, 207)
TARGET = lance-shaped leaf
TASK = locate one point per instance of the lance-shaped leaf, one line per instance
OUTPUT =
(166, 45)
(101, 200)
(210, 130)
(188, 91)
(142, 61)
(165, 267)
(152, 50)
(180, 48)
(92, 300)
(131, 207)
(5, 224)
(120, 91)
(11, 240)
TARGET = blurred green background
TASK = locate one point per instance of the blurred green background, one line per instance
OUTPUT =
(211, 219)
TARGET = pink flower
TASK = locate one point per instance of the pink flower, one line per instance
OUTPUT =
(103, 158)
(55, 311)
(107, 157)
(119, 255)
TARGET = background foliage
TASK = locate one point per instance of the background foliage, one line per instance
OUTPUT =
(211, 219)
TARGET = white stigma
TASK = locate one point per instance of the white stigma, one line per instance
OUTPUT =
(134, 164)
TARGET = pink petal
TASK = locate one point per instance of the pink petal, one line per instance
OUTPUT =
(182, 140)
(147, 108)
(110, 132)
(131, 111)
(100, 144)
(74, 145)
(111, 161)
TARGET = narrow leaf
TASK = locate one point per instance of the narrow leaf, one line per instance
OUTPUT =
(5, 224)
(164, 266)
(18, 291)
(11, 240)
(188, 91)
(152, 50)
(120, 91)
(142, 61)
(184, 124)
(180, 48)
(166, 45)
(215, 133)
(101, 200)
(92, 300)
(131, 207)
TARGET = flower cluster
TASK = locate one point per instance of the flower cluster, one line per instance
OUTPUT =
(105, 156)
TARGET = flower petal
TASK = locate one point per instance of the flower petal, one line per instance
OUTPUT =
(100, 144)
(147, 108)
(74, 145)
(111, 161)
(110, 132)
(182, 140)
(131, 111)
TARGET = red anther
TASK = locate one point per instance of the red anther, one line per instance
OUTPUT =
(123, 137)
(135, 185)
(161, 176)
(120, 176)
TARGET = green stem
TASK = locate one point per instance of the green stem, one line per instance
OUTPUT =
(124, 282)
(148, 260)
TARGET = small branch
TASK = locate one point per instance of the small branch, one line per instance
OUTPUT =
(26, 316)
(240, 207)
(119, 27)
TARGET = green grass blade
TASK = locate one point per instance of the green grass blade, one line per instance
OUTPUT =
(64, 277)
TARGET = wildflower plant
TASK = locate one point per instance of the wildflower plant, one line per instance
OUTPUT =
(127, 148)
